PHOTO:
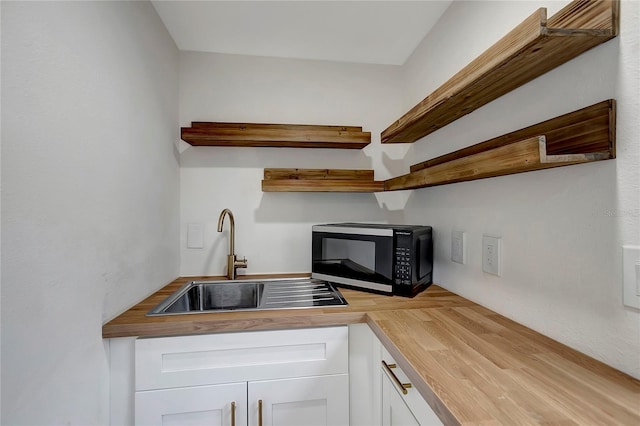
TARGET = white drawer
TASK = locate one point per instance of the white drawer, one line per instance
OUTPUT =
(169, 362)
(416, 403)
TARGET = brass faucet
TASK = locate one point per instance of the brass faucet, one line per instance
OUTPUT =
(232, 262)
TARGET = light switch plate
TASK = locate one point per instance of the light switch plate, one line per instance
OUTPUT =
(492, 255)
(631, 276)
(459, 246)
(195, 236)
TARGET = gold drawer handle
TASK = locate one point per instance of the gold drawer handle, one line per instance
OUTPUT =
(403, 386)
(233, 413)
(259, 412)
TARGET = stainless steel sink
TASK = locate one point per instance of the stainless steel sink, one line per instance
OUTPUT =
(242, 295)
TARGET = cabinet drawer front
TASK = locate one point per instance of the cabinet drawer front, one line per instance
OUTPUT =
(419, 408)
(230, 357)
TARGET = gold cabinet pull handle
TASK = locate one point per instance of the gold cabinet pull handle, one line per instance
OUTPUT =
(233, 413)
(403, 386)
(259, 412)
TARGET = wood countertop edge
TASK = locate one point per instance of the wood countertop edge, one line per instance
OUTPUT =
(416, 379)
(204, 325)
(134, 323)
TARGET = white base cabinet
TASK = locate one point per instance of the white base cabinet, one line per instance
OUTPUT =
(395, 412)
(303, 401)
(269, 378)
(191, 380)
(214, 405)
(402, 405)
(376, 399)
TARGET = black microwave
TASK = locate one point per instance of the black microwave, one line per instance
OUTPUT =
(387, 259)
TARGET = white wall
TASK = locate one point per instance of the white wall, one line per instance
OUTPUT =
(562, 229)
(273, 230)
(89, 197)
(0, 226)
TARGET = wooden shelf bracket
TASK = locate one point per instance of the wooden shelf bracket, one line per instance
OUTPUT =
(545, 158)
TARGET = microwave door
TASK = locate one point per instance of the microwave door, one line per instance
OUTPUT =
(356, 258)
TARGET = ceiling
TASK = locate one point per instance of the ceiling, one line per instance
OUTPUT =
(373, 32)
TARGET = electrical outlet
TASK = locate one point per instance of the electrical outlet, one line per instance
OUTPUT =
(491, 255)
(459, 246)
(631, 276)
(195, 236)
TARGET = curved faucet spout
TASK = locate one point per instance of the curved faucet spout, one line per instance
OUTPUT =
(232, 262)
(232, 232)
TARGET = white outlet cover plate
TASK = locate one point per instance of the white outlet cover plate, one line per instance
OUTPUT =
(459, 246)
(492, 255)
(631, 276)
(195, 235)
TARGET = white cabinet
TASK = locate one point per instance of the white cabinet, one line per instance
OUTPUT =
(267, 378)
(395, 412)
(402, 405)
(214, 405)
(308, 401)
(376, 398)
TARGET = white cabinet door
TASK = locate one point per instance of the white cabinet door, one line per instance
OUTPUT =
(193, 406)
(395, 411)
(407, 408)
(303, 401)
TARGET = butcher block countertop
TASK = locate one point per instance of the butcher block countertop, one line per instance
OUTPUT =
(472, 365)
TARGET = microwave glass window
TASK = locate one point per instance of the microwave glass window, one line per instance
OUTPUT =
(357, 255)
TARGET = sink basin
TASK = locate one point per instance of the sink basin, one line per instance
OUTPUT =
(242, 295)
(208, 297)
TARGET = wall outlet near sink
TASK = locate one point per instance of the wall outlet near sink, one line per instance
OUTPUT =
(195, 236)
(459, 246)
(492, 255)
(631, 276)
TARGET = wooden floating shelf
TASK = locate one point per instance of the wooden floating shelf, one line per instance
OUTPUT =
(582, 136)
(320, 180)
(590, 129)
(275, 135)
(531, 49)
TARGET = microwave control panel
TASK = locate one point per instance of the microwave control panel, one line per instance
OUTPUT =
(403, 259)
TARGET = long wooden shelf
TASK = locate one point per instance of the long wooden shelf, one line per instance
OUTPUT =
(531, 49)
(320, 180)
(275, 135)
(582, 136)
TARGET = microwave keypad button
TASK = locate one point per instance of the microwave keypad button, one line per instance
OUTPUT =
(403, 266)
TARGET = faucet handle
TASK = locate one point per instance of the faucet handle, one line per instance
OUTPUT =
(240, 263)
